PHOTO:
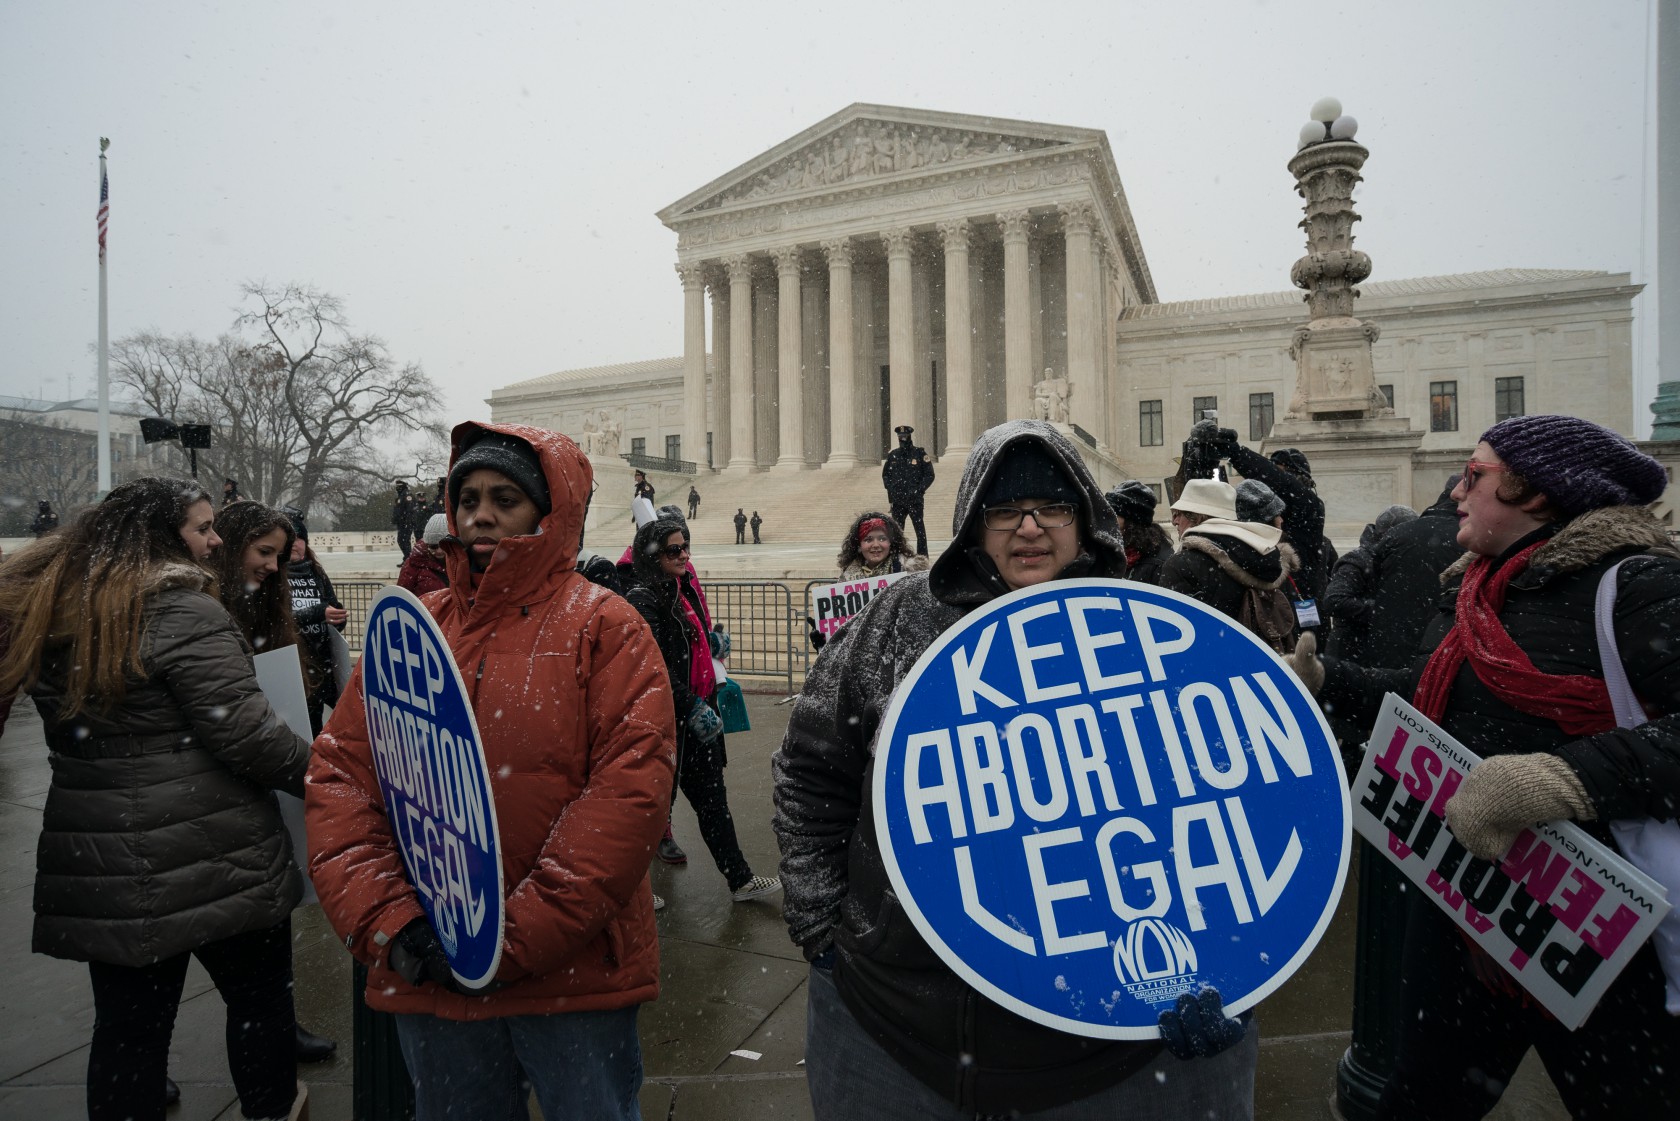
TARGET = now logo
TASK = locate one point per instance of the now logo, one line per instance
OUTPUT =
(1153, 950)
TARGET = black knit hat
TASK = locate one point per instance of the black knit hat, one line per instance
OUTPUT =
(1293, 460)
(1576, 464)
(1133, 501)
(508, 455)
(1026, 469)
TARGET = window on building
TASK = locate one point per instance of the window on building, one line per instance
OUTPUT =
(673, 447)
(1388, 394)
(1259, 415)
(638, 445)
(1443, 406)
(1507, 398)
(1151, 431)
(1200, 406)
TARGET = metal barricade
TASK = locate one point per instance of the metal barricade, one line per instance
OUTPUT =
(357, 597)
(766, 635)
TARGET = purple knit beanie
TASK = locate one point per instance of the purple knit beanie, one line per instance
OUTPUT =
(1576, 464)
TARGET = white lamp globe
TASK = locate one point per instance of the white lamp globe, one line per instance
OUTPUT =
(1326, 109)
(1343, 128)
(1311, 133)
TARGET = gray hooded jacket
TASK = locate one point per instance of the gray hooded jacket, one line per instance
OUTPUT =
(837, 892)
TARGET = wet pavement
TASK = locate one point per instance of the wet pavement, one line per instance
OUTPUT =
(732, 982)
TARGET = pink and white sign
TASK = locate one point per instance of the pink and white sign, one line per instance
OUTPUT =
(1561, 912)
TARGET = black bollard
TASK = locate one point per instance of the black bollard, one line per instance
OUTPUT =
(1379, 938)
(381, 1088)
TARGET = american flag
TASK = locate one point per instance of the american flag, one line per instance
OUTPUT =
(104, 209)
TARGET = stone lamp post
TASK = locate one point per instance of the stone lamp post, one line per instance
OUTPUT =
(1360, 451)
(1332, 351)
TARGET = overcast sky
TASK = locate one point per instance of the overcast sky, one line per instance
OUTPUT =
(478, 182)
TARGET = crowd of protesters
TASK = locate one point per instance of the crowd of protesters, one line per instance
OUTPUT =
(134, 627)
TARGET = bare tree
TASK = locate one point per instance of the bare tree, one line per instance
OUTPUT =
(296, 397)
(340, 388)
(43, 458)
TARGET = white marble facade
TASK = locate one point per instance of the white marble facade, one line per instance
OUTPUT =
(893, 266)
(1537, 340)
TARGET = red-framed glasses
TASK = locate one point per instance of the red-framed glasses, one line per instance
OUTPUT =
(1476, 468)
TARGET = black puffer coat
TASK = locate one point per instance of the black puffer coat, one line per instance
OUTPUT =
(837, 892)
(656, 597)
(1218, 569)
(1627, 772)
(1406, 567)
(1303, 516)
(160, 833)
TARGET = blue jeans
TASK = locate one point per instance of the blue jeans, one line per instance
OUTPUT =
(853, 1078)
(581, 1064)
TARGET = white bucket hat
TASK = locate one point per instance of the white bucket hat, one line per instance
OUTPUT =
(1210, 497)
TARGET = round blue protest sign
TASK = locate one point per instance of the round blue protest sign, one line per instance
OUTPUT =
(1095, 795)
(435, 781)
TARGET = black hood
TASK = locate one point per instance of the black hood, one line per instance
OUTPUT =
(965, 574)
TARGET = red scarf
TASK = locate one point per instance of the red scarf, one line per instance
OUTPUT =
(1577, 703)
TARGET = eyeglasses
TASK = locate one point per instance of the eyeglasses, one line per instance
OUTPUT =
(1476, 468)
(1052, 515)
(675, 551)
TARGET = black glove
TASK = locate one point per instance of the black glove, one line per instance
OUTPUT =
(418, 957)
(1204, 432)
(1226, 442)
(1198, 1027)
(816, 638)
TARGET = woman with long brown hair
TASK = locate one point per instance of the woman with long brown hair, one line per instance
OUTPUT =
(159, 839)
(256, 544)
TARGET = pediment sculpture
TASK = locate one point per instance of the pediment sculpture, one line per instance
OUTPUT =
(868, 148)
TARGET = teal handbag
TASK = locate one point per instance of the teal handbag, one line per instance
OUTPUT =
(732, 706)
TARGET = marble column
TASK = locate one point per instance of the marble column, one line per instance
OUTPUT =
(866, 377)
(743, 454)
(842, 376)
(694, 362)
(813, 311)
(926, 406)
(1078, 220)
(720, 420)
(1017, 322)
(959, 340)
(901, 330)
(790, 343)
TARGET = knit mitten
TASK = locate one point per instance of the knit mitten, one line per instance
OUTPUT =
(1303, 661)
(1504, 795)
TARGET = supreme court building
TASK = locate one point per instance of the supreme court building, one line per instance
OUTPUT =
(893, 266)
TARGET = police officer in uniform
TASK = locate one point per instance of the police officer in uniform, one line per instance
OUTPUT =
(907, 474)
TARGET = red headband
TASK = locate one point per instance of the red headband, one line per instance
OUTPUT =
(869, 526)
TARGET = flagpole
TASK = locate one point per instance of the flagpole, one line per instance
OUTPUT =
(104, 334)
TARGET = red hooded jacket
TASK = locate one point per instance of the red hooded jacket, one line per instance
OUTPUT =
(575, 711)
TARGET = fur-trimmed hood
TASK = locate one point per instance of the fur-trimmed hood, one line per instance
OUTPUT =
(1585, 540)
(1247, 566)
(177, 574)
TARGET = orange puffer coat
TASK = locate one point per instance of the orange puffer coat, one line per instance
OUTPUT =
(575, 711)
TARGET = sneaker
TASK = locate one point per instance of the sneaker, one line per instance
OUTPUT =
(755, 887)
(671, 852)
(658, 902)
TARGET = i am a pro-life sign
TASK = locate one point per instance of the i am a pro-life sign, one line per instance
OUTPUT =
(435, 781)
(1095, 795)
